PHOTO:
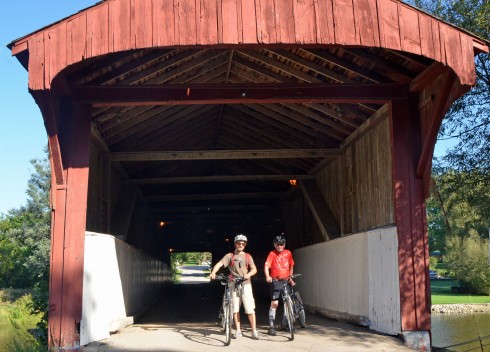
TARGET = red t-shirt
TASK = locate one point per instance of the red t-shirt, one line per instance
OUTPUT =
(279, 263)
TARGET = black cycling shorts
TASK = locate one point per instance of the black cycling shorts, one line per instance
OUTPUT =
(276, 289)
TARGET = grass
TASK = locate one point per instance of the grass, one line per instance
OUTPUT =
(441, 294)
(14, 308)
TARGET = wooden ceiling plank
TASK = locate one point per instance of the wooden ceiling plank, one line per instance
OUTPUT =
(192, 132)
(311, 66)
(402, 75)
(334, 114)
(261, 70)
(295, 122)
(287, 69)
(189, 66)
(346, 65)
(137, 118)
(292, 129)
(323, 120)
(139, 132)
(248, 127)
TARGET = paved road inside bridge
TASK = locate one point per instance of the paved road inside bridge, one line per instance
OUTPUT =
(186, 319)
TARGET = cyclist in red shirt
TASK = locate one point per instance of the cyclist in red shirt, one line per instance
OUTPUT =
(278, 265)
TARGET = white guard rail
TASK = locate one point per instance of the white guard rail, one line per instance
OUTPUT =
(119, 282)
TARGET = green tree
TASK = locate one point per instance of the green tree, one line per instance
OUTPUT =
(468, 261)
(25, 243)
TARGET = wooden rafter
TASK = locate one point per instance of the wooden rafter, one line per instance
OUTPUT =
(191, 94)
(224, 154)
(213, 196)
(207, 179)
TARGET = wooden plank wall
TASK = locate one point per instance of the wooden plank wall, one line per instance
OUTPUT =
(98, 205)
(118, 25)
(358, 186)
(103, 189)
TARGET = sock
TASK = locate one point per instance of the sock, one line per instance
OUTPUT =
(272, 317)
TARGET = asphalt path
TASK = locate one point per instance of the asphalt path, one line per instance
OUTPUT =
(186, 319)
(193, 274)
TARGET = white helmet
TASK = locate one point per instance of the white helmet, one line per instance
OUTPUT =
(240, 238)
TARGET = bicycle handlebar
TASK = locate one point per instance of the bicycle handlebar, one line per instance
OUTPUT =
(287, 278)
(236, 279)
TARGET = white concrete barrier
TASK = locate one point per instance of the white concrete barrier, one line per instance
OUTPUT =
(353, 278)
(119, 281)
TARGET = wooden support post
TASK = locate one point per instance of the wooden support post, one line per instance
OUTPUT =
(413, 253)
(322, 214)
(68, 230)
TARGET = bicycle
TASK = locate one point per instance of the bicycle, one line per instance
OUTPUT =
(293, 305)
(226, 311)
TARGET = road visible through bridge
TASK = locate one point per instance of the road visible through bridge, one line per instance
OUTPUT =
(186, 319)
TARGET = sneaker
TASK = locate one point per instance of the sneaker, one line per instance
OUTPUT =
(272, 332)
(237, 334)
(255, 335)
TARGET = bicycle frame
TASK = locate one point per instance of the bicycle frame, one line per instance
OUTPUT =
(226, 311)
(293, 306)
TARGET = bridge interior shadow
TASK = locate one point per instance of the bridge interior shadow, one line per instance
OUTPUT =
(191, 311)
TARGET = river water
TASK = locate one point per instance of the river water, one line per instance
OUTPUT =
(451, 329)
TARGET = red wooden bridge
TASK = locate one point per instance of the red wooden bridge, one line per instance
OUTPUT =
(174, 124)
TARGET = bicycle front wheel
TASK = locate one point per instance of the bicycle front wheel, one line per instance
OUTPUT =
(228, 322)
(300, 310)
(288, 309)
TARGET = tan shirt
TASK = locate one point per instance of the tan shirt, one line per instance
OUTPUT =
(239, 267)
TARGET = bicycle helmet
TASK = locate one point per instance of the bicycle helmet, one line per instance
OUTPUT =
(279, 239)
(240, 237)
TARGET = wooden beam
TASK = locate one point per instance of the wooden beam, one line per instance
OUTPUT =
(427, 77)
(440, 107)
(410, 220)
(163, 211)
(206, 179)
(48, 109)
(214, 196)
(321, 211)
(225, 154)
(191, 94)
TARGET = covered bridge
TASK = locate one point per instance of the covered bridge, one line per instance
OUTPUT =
(174, 124)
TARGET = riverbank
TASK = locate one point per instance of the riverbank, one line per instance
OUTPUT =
(460, 308)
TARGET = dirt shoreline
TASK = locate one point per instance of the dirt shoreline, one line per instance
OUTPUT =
(460, 308)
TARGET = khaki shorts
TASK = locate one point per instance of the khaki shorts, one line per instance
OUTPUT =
(247, 299)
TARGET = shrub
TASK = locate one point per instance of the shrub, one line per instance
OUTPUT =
(468, 260)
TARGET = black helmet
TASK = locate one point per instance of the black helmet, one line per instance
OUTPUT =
(279, 239)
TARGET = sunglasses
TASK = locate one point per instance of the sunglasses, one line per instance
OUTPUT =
(279, 244)
(240, 243)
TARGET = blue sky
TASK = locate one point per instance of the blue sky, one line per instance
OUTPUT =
(22, 133)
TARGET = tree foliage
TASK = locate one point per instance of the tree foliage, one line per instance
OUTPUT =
(25, 243)
(468, 262)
